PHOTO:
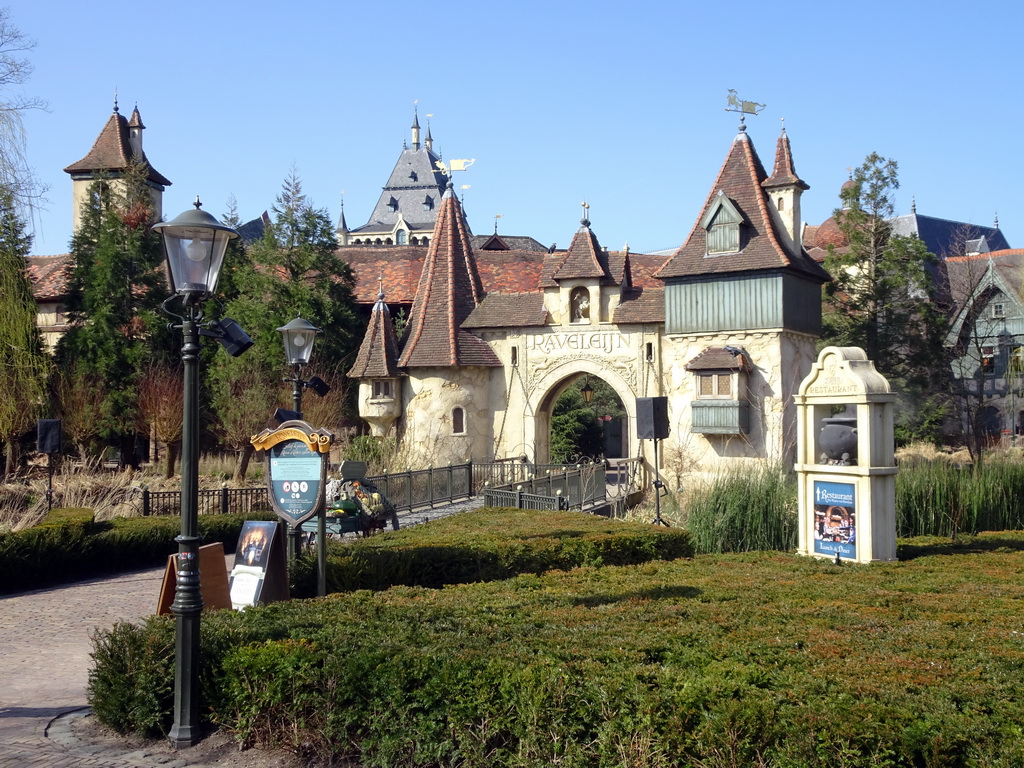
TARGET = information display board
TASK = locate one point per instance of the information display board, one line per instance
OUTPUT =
(835, 519)
(297, 457)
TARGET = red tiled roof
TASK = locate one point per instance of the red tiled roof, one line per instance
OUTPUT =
(641, 306)
(784, 172)
(49, 276)
(113, 151)
(585, 258)
(509, 310)
(718, 359)
(449, 290)
(740, 180)
(378, 354)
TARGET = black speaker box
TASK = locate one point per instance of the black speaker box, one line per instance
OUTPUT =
(652, 418)
(48, 435)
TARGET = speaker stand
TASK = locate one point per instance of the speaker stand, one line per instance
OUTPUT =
(658, 485)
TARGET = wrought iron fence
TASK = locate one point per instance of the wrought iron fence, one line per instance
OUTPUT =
(211, 502)
(417, 488)
(518, 499)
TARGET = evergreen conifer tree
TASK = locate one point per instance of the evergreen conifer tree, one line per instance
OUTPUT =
(116, 287)
(882, 297)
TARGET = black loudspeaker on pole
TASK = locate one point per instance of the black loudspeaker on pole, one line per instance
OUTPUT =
(652, 424)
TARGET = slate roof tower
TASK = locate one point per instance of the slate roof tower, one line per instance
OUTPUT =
(409, 203)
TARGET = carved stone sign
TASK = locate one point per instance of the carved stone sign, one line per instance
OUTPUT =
(584, 341)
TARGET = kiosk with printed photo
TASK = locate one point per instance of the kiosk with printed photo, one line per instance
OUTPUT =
(846, 466)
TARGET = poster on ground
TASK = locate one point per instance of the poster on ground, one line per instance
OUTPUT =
(835, 519)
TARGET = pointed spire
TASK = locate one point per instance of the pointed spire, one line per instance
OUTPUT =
(429, 141)
(784, 171)
(342, 224)
(378, 353)
(449, 290)
(415, 127)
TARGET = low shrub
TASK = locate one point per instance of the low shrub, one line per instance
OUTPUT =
(485, 545)
(723, 660)
(69, 545)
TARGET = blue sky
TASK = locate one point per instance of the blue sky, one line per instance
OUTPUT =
(621, 104)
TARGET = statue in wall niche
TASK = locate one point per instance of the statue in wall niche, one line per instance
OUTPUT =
(579, 305)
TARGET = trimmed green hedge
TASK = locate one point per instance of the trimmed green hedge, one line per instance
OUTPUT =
(722, 660)
(68, 545)
(486, 545)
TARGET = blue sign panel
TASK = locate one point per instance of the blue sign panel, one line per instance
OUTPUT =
(296, 475)
(835, 519)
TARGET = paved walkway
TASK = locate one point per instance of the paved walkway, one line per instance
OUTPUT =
(45, 642)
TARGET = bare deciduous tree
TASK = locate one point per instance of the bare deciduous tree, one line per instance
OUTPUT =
(161, 403)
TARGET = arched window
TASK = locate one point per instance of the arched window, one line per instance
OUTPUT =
(388, 241)
(414, 241)
(401, 237)
(425, 241)
(458, 421)
(782, 204)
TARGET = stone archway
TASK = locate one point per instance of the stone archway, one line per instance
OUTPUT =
(552, 384)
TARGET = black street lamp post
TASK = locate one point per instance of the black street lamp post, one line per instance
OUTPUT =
(298, 336)
(194, 243)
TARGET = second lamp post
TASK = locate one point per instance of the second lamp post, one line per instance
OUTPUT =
(298, 347)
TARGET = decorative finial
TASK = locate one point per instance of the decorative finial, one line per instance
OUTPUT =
(496, 217)
(115, 100)
(380, 286)
(197, 204)
(997, 220)
(783, 125)
(913, 204)
(585, 221)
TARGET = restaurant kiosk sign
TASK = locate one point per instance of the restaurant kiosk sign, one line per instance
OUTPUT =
(297, 458)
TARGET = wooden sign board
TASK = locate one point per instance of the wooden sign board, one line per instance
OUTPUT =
(213, 579)
(260, 572)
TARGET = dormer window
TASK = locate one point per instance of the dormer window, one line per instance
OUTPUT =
(393, 204)
(720, 382)
(413, 176)
(723, 222)
(428, 203)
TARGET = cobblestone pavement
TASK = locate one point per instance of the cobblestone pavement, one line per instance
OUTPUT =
(44, 652)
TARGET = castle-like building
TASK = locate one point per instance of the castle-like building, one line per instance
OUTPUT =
(496, 327)
(724, 328)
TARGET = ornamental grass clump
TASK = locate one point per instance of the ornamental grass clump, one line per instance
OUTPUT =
(744, 510)
(936, 498)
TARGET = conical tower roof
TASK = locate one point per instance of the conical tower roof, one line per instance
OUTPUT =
(378, 354)
(585, 257)
(449, 290)
(784, 172)
(112, 151)
(762, 247)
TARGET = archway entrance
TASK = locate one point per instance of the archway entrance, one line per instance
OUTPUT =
(588, 421)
